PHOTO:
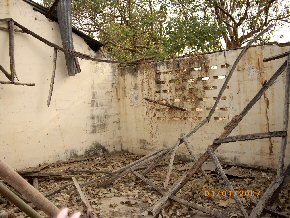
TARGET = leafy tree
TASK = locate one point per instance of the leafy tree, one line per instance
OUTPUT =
(137, 29)
(243, 19)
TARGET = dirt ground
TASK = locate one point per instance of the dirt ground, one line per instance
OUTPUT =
(130, 197)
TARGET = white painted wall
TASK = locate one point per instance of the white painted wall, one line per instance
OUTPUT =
(30, 132)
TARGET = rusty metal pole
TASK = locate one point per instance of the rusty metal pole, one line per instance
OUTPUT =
(13, 198)
(11, 177)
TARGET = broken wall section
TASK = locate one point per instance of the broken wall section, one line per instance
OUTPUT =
(161, 100)
(82, 114)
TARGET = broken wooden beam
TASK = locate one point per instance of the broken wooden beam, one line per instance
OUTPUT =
(17, 201)
(84, 198)
(7, 30)
(250, 137)
(16, 83)
(113, 175)
(228, 129)
(11, 49)
(285, 121)
(275, 185)
(209, 211)
(26, 190)
(286, 180)
(226, 180)
(170, 166)
(8, 75)
(192, 156)
(77, 54)
(277, 56)
(165, 104)
(52, 77)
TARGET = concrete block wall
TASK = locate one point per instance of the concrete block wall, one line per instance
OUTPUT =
(192, 84)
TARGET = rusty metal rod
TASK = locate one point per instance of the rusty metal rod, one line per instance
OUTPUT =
(28, 191)
(14, 199)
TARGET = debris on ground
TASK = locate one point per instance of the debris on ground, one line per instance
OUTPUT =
(130, 197)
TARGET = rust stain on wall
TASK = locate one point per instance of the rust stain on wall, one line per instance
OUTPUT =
(266, 99)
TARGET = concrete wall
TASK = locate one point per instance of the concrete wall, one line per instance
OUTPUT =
(83, 112)
(193, 83)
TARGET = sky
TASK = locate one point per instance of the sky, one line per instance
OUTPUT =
(281, 36)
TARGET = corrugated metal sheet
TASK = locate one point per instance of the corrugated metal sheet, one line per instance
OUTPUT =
(65, 24)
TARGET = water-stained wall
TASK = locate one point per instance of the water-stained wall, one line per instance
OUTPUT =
(161, 100)
(83, 113)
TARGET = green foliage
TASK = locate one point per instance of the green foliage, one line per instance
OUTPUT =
(158, 29)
